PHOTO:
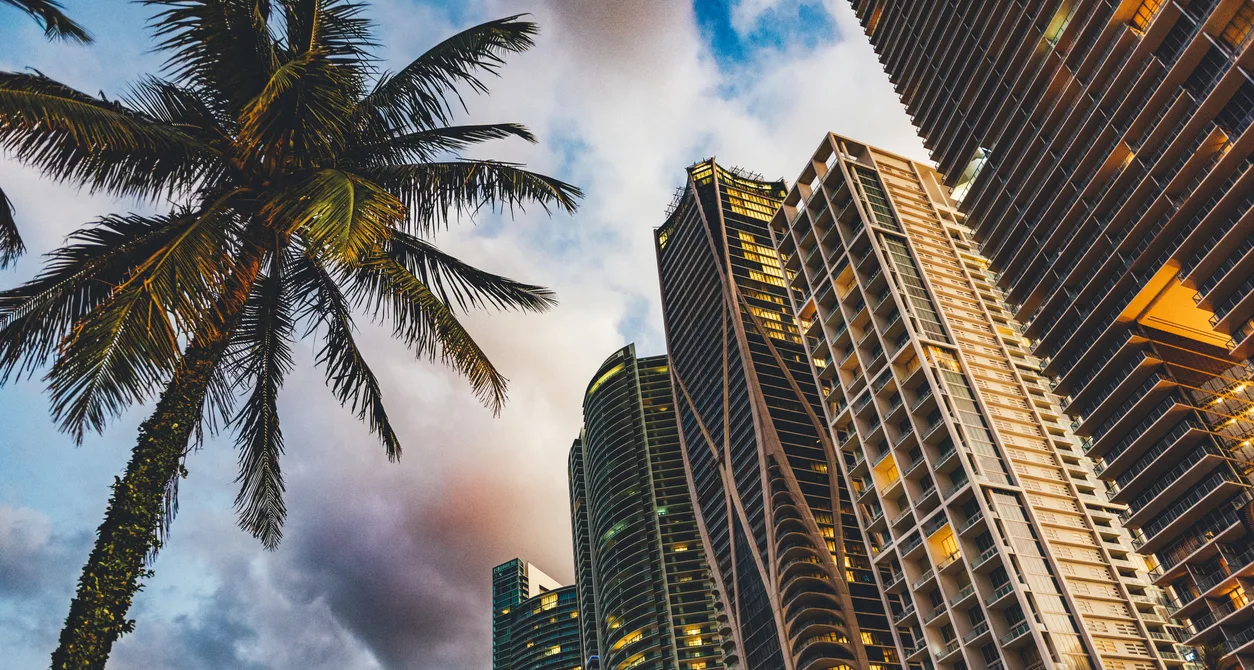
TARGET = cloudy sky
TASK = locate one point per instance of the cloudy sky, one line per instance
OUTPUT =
(387, 565)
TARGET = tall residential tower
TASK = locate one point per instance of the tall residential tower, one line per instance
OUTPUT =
(992, 539)
(1102, 152)
(644, 584)
(775, 517)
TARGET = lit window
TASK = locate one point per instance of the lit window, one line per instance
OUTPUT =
(1239, 27)
(1057, 26)
(1145, 13)
(548, 601)
(1237, 596)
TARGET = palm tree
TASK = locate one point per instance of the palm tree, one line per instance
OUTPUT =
(307, 186)
(56, 24)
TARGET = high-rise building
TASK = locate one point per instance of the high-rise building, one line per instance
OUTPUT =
(776, 519)
(644, 584)
(581, 539)
(535, 620)
(1102, 153)
(994, 542)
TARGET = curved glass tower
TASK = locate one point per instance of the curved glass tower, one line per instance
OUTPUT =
(639, 561)
(789, 558)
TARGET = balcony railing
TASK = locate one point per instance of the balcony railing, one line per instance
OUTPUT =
(1000, 592)
(1016, 632)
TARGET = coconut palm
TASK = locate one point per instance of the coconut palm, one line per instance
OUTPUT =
(307, 189)
(48, 13)
(56, 26)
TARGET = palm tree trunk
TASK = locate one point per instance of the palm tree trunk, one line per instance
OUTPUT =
(128, 537)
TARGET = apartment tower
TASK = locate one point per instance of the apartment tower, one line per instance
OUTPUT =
(535, 621)
(644, 584)
(789, 564)
(992, 540)
(1102, 153)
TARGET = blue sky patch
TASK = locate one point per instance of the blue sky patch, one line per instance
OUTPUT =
(789, 24)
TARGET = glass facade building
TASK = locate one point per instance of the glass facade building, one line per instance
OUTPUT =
(1102, 154)
(644, 584)
(789, 563)
(535, 621)
(993, 541)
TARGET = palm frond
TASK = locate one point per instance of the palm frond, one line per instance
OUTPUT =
(263, 340)
(301, 112)
(336, 28)
(11, 245)
(56, 24)
(456, 282)
(351, 380)
(430, 329)
(435, 193)
(69, 135)
(181, 107)
(417, 97)
(221, 46)
(336, 213)
(128, 344)
(80, 276)
(426, 145)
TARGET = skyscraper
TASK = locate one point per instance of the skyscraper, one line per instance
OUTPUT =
(994, 543)
(775, 517)
(535, 621)
(1102, 153)
(644, 584)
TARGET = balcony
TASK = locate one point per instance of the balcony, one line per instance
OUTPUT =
(1202, 498)
(905, 613)
(999, 593)
(976, 633)
(963, 593)
(926, 577)
(934, 613)
(1017, 631)
(984, 557)
(1157, 458)
(1168, 486)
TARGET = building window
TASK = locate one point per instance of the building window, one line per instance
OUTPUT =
(1057, 26)
(1145, 13)
(1237, 596)
(1239, 27)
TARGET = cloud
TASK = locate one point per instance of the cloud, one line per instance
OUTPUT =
(387, 565)
(29, 553)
